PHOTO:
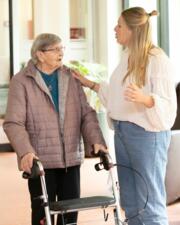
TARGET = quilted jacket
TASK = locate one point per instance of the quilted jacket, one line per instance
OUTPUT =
(33, 125)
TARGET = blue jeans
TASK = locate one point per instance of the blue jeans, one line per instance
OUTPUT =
(146, 152)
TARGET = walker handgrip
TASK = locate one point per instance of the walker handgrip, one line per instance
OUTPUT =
(35, 171)
(100, 152)
(26, 175)
(105, 161)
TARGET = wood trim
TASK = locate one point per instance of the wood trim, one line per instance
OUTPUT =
(6, 147)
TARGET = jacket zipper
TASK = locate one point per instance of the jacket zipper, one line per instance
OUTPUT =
(62, 142)
(60, 134)
(59, 126)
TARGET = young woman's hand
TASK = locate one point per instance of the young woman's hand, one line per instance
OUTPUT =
(84, 81)
(134, 94)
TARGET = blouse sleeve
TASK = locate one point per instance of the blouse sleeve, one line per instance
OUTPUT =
(103, 93)
(163, 113)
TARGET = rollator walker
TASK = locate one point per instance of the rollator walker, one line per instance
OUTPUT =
(84, 203)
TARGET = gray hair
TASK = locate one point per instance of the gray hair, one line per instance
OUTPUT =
(41, 42)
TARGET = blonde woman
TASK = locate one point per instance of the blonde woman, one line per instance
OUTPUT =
(141, 105)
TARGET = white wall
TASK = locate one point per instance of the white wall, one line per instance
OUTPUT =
(52, 16)
(106, 50)
(114, 49)
(4, 28)
(4, 42)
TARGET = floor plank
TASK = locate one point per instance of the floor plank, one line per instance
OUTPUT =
(14, 196)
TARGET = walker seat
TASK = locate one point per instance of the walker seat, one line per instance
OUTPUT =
(82, 203)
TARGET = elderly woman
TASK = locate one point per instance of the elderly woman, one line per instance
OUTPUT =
(46, 115)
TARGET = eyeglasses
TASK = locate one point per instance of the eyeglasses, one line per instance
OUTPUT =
(60, 49)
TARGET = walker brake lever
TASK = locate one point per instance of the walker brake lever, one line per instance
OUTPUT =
(105, 161)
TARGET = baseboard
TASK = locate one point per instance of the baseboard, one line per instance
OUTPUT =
(6, 148)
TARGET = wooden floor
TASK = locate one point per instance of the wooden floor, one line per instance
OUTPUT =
(14, 196)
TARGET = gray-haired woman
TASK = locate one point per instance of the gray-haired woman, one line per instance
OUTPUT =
(46, 115)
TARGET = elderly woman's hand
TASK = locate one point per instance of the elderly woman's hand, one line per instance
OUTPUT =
(98, 147)
(134, 94)
(27, 162)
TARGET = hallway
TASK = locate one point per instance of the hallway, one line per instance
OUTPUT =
(14, 197)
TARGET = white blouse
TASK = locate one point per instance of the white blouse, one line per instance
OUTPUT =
(160, 85)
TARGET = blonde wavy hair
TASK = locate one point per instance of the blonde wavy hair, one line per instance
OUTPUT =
(137, 20)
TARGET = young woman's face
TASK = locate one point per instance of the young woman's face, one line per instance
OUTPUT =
(122, 32)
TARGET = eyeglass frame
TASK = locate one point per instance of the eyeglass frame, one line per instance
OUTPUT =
(54, 49)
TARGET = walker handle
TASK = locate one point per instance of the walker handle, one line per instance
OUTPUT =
(105, 161)
(35, 171)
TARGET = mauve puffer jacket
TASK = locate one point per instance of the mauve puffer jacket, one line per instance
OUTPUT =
(33, 125)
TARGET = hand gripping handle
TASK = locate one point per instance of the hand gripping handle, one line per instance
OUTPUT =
(35, 171)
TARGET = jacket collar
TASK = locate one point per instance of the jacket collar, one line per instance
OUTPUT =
(31, 70)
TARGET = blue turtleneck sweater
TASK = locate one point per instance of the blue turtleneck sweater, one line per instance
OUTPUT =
(51, 81)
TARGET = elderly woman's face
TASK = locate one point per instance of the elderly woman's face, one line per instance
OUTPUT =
(122, 32)
(52, 56)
